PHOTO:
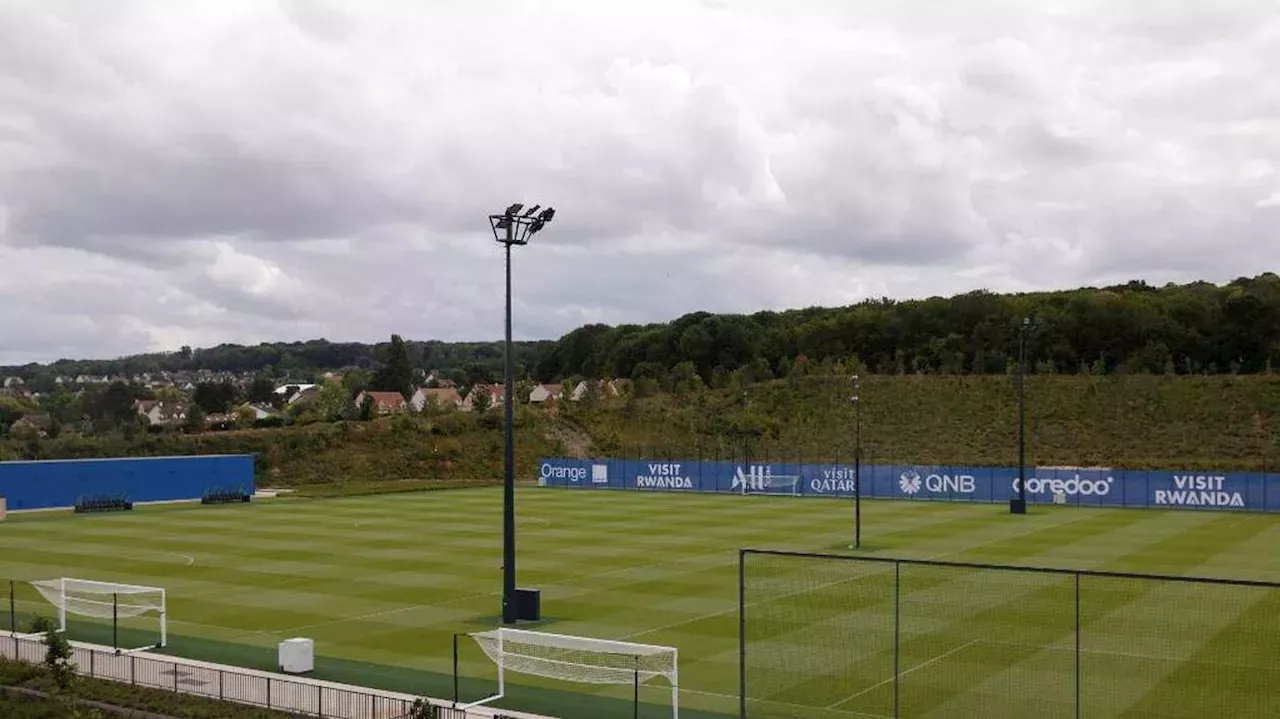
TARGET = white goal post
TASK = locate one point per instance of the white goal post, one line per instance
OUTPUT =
(104, 600)
(576, 659)
(786, 485)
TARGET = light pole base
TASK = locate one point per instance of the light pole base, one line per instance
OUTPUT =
(1017, 506)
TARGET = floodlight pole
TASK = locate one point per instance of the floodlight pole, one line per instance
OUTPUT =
(1018, 505)
(511, 228)
(857, 462)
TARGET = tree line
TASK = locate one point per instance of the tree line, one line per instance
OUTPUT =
(1132, 328)
(1194, 328)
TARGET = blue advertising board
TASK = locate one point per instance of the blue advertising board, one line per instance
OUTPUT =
(1087, 486)
(58, 483)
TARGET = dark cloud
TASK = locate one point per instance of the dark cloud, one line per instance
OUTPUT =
(249, 171)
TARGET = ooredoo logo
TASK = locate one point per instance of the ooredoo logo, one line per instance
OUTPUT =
(909, 482)
(1074, 486)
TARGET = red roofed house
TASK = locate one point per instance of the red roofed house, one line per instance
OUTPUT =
(383, 402)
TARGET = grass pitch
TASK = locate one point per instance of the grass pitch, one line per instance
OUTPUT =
(382, 584)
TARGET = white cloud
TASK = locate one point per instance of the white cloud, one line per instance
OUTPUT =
(246, 171)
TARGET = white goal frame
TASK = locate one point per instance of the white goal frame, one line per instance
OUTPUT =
(771, 480)
(619, 648)
(111, 591)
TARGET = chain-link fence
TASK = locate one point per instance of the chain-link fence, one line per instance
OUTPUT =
(826, 636)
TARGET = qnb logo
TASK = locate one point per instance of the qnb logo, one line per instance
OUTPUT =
(1069, 487)
(909, 482)
(756, 477)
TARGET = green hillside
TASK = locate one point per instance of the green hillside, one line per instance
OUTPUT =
(1138, 421)
(1132, 421)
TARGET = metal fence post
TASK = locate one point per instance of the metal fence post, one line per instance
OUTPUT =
(1078, 678)
(220, 691)
(268, 692)
(133, 670)
(320, 701)
(897, 623)
(175, 676)
(742, 633)
(93, 655)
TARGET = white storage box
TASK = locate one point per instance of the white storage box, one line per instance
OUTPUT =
(297, 656)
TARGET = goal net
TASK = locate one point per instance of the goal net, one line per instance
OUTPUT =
(758, 480)
(106, 601)
(577, 659)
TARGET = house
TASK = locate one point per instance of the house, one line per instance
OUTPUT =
(543, 392)
(261, 411)
(383, 402)
(496, 392)
(305, 395)
(12, 382)
(38, 423)
(609, 388)
(158, 414)
(441, 396)
(221, 421)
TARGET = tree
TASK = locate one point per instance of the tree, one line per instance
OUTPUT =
(481, 399)
(214, 398)
(397, 374)
(195, 419)
(58, 656)
(333, 403)
(261, 390)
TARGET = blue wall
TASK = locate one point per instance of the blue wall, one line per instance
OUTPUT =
(1083, 486)
(57, 483)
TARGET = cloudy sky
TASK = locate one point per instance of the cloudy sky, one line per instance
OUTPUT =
(242, 171)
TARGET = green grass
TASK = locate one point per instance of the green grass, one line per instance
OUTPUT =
(383, 582)
(1136, 421)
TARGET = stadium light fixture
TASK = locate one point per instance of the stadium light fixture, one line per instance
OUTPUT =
(512, 228)
(1018, 505)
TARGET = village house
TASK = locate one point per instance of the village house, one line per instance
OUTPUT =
(441, 396)
(496, 392)
(543, 392)
(158, 414)
(383, 402)
(610, 388)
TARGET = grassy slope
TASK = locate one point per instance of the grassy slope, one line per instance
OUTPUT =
(1221, 422)
(382, 583)
(1225, 422)
(448, 449)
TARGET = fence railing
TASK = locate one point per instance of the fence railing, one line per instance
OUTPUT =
(824, 636)
(299, 697)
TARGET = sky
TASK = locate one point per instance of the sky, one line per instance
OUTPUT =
(246, 170)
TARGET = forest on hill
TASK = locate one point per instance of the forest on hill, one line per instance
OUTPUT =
(1196, 328)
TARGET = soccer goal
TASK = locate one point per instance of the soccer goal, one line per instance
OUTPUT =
(571, 658)
(774, 484)
(105, 600)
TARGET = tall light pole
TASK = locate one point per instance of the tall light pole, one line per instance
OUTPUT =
(857, 462)
(1018, 505)
(512, 228)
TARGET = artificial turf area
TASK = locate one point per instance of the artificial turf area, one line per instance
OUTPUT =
(382, 584)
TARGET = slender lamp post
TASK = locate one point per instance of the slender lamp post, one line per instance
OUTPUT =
(857, 462)
(512, 228)
(1018, 505)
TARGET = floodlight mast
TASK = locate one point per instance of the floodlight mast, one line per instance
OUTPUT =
(512, 228)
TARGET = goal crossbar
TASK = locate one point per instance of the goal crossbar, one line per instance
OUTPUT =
(763, 485)
(103, 600)
(574, 658)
